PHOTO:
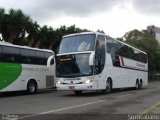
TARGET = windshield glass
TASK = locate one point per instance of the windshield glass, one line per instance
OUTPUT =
(73, 65)
(77, 43)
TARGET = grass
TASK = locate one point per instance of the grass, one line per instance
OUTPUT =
(153, 110)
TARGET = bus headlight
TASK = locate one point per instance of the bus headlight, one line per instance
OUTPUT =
(58, 82)
(87, 81)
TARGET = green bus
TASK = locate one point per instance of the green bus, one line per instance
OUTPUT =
(24, 68)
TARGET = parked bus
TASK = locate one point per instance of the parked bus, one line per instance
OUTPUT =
(25, 68)
(95, 61)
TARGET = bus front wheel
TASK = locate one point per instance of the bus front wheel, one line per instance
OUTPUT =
(141, 84)
(108, 87)
(31, 87)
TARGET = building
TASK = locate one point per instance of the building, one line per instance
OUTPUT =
(155, 32)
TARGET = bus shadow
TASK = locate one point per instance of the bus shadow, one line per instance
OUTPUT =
(11, 94)
(24, 93)
(99, 93)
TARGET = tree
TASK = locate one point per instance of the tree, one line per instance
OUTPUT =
(18, 28)
(42, 36)
(101, 31)
(13, 26)
(144, 41)
(52, 39)
(33, 30)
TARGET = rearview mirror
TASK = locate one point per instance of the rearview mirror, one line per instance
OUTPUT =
(49, 61)
(91, 58)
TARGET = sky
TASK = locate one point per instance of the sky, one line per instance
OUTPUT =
(114, 17)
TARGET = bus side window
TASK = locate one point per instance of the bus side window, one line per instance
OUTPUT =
(47, 55)
(11, 54)
(40, 58)
(28, 56)
(52, 62)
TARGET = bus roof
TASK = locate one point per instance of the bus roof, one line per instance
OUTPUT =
(25, 47)
(98, 33)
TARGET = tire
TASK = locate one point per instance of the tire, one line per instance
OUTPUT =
(141, 84)
(108, 87)
(31, 87)
(137, 85)
(78, 92)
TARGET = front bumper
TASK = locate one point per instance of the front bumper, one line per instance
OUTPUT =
(73, 87)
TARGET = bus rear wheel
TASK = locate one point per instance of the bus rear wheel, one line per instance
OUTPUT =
(31, 87)
(141, 84)
(78, 92)
(137, 85)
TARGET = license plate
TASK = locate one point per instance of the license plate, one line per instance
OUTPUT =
(71, 87)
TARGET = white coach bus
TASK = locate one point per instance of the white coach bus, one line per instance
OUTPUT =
(25, 68)
(95, 61)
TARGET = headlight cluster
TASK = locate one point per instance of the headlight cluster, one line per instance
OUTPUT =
(84, 82)
(87, 81)
(58, 82)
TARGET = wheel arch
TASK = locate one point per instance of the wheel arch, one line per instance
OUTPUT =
(32, 79)
(109, 78)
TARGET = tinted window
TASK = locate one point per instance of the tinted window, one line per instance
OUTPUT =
(139, 56)
(40, 54)
(47, 55)
(28, 56)
(11, 54)
(116, 48)
(27, 52)
(75, 65)
(40, 58)
(25, 56)
(125, 51)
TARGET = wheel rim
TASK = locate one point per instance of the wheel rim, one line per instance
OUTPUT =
(32, 87)
(137, 85)
(108, 87)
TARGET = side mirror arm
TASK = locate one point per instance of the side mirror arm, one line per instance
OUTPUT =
(49, 60)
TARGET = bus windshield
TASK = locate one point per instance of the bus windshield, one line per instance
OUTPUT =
(77, 43)
(73, 65)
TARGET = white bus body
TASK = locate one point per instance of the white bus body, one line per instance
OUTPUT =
(25, 68)
(94, 61)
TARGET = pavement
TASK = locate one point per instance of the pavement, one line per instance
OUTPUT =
(64, 105)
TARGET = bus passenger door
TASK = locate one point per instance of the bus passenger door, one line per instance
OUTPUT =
(50, 79)
(100, 61)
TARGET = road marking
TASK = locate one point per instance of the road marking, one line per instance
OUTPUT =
(61, 109)
(124, 95)
(138, 92)
(81, 105)
(148, 90)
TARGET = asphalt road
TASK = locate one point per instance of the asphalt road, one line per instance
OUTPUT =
(65, 105)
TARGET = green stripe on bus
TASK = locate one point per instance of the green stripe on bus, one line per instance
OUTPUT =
(9, 73)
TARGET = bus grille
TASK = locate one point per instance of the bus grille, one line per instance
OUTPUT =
(49, 81)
